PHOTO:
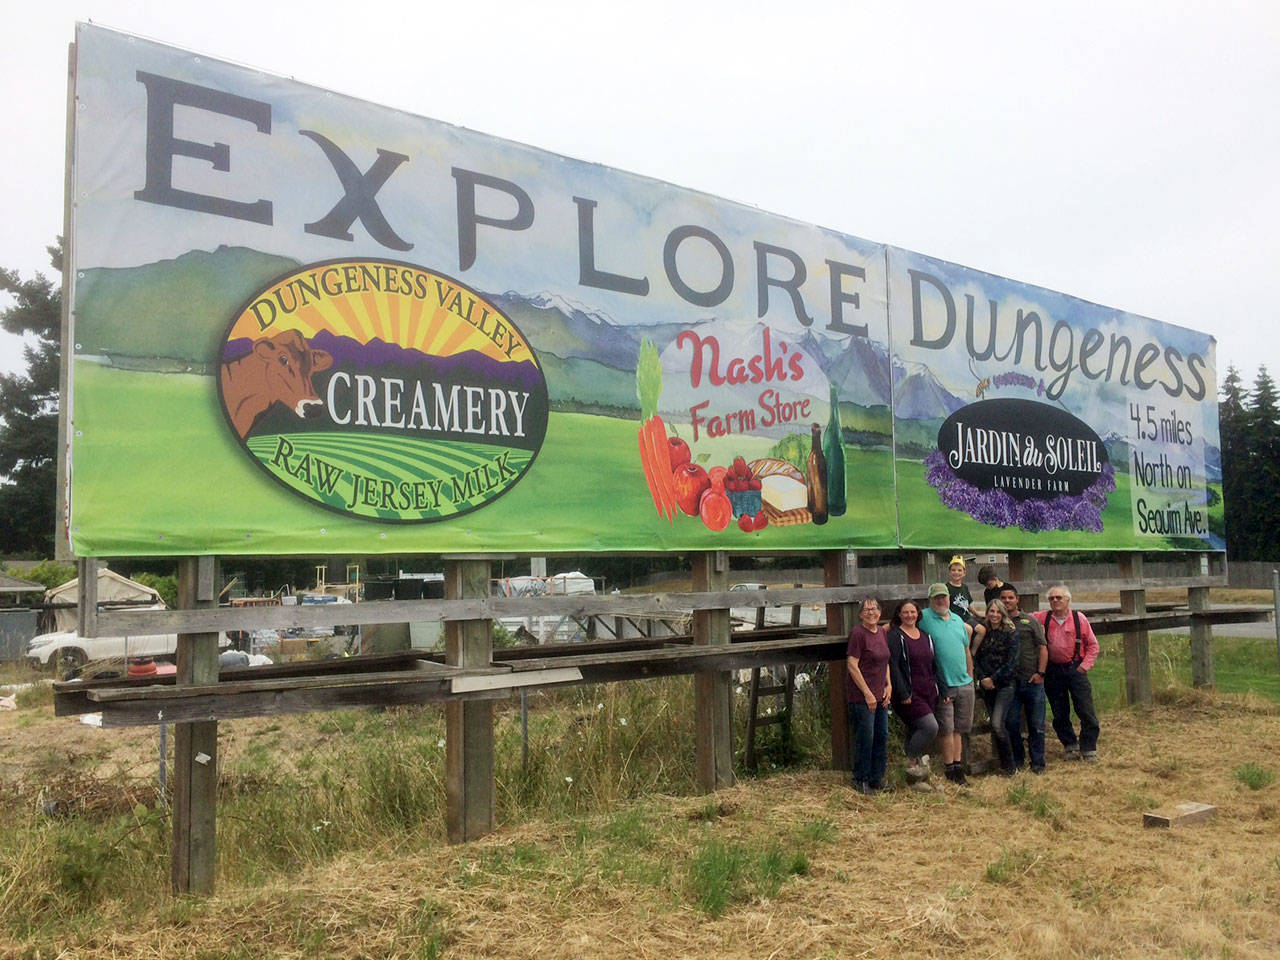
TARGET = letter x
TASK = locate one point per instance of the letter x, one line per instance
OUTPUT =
(358, 198)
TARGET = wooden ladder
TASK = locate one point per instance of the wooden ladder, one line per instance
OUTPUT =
(786, 690)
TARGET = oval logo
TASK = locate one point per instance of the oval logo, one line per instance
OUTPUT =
(1030, 450)
(383, 390)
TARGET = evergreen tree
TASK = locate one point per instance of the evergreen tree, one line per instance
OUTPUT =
(1232, 419)
(1263, 430)
(29, 414)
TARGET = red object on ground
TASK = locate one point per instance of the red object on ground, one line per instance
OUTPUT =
(142, 668)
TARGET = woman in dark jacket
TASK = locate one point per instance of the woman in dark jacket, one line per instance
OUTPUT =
(915, 691)
(995, 662)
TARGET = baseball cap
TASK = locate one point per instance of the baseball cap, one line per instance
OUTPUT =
(939, 589)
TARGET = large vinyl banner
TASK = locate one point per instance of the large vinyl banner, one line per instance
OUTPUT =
(1024, 418)
(307, 324)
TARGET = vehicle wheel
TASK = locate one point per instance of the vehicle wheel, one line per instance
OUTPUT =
(68, 662)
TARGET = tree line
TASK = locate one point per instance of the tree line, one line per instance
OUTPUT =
(1249, 422)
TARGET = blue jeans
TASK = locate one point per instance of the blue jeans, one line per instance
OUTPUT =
(1028, 702)
(868, 742)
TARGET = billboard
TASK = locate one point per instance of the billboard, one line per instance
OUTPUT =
(302, 323)
(1025, 418)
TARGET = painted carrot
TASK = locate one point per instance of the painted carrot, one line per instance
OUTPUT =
(650, 475)
(666, 481)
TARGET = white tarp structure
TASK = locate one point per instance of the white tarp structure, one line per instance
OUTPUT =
(112, 588)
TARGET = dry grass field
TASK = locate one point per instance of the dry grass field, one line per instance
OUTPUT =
(791, 865)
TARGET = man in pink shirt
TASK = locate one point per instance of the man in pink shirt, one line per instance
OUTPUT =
(1073, 649)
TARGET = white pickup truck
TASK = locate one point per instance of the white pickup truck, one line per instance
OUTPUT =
(67, 650)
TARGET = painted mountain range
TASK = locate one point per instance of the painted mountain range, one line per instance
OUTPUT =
(349, 353)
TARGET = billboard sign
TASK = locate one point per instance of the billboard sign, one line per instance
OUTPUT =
(1025, 418)
(305, 324)
(308, 324)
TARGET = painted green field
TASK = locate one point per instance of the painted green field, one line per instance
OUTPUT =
(158, 472)
(926, 523)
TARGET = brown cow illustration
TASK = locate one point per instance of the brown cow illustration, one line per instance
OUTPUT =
(277, 370)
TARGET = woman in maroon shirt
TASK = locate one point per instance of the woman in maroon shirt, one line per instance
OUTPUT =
(915, 689)
(869, 695)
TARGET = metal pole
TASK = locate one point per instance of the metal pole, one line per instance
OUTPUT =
(524, 729)
(1275, 608)
(164, 763)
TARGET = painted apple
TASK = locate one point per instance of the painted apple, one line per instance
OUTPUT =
(715, 509)
(679, 452)
(690, 482)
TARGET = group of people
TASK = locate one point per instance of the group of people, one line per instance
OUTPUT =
(930, 664)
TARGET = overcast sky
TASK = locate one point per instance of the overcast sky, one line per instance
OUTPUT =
(1120, 152)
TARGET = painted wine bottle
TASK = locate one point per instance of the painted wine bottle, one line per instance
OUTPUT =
(833, 450)
(815, 477)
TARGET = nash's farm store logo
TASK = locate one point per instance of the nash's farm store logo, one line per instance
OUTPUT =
(383, 390)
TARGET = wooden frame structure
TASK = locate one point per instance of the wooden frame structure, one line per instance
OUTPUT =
(470, 674)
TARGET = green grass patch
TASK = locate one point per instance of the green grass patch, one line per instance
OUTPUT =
(1035, 802)
(1254, 776)
(1240, 665)
(1009, 865)
(722, 874)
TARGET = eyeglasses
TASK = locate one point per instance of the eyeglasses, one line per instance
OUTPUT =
(1052, 598)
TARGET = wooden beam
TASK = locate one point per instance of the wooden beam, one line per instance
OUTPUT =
(301, 695)
(713, 689)
(195, 744)
(469, 785)
(836, 570)
(1201, 630)
(1137, 652)
(660, 605)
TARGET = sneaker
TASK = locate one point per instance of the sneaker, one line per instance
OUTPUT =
(917, 772)
(924, 762)
(1089, 756)
(921, 786)
(1072, 751)
(862, 788)
(1038, 771)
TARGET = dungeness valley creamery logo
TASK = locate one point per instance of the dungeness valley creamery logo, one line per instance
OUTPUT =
(383, 390)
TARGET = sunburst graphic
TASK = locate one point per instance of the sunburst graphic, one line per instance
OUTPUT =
(379, 300)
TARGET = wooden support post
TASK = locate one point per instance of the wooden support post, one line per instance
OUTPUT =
(1024, 569)
(1201, 632)
(1137, 653)
(713, 689)
(837, 572)
(917, 560)
(195, 745)
(87, 596)
(469, 785)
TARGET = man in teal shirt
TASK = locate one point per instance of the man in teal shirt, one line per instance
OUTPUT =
(954, 669)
